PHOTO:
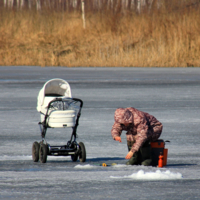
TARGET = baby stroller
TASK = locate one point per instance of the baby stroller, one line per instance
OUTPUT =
(58, 110)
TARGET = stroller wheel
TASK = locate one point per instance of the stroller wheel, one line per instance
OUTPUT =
(43, 153)
(74, 157)
(82, 153)
(35, 151)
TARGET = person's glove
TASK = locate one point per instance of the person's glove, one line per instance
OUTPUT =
(129, 155)
(117, 138)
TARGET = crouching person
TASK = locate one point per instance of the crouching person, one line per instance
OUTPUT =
(142, 128)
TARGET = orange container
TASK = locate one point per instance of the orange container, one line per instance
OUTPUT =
(158, 144)
(157, 148)
(165, 157)
(160, 161)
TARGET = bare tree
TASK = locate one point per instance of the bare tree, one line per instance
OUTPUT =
(38, 4)
(10, 3)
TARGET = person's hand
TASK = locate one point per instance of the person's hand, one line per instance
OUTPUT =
(129, 155)
(117, 138)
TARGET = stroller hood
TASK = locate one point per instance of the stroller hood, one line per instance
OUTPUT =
(54, 87)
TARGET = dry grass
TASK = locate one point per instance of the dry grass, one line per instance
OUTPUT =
(168, 38)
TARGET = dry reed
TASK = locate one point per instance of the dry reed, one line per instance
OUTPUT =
(166, 38)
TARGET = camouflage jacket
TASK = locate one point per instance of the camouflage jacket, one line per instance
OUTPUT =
(142, 127)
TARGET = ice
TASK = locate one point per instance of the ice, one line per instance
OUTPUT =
(5, 157)
(170, 94)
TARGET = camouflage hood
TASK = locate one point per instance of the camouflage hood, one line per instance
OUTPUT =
(123, 115)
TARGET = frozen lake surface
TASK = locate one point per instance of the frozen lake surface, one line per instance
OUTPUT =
(172, 95)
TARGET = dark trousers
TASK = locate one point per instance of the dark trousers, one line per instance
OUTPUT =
(143, 155)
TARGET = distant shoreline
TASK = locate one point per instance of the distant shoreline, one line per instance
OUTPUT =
(167, 37)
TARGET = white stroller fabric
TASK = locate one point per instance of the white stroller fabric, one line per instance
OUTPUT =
(53, 86)
(57, 117)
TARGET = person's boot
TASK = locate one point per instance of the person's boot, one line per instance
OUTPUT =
(147, 162)
(146, 157)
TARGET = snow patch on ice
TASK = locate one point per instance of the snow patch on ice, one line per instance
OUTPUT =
(88, 166)
(119, 166)
(158, 175)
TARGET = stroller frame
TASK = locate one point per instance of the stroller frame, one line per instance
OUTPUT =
(72, 148)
